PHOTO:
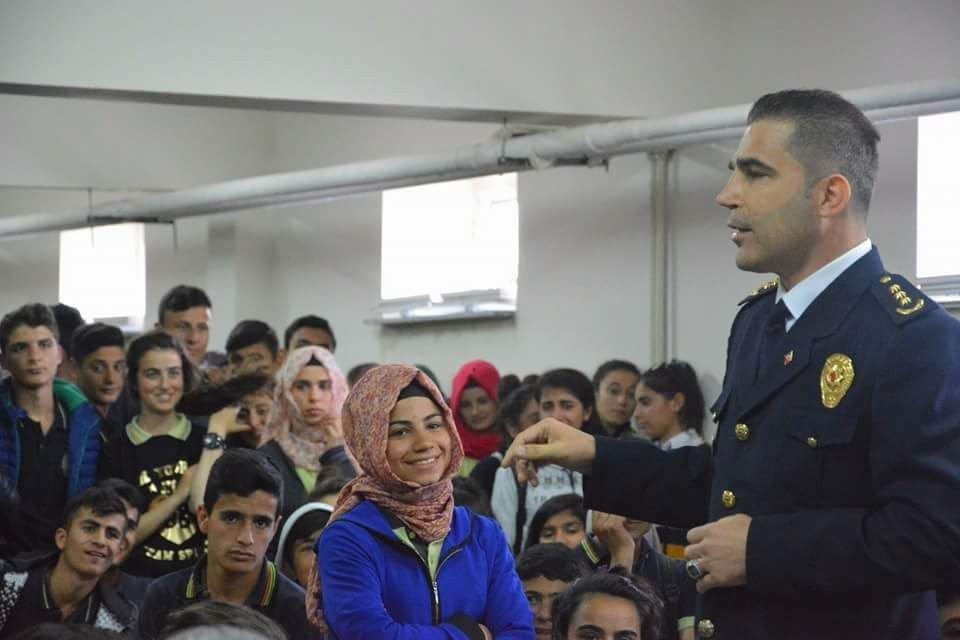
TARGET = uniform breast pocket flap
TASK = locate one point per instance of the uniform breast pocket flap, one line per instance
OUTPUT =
(812, 443)
(817, 429)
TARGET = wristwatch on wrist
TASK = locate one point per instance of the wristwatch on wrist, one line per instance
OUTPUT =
(213, 441)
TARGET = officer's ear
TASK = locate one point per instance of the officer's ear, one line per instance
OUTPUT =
(832, 195)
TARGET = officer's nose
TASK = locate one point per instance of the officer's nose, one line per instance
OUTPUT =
(730, 197)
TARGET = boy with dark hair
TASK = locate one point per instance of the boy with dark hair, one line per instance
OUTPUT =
(131, 587)
(184, 313)
(239, 515)
(546, 570)
(67, 586)
(100, 361)
(49, 433)
(68, 320)
(307, 331)
(252, 347)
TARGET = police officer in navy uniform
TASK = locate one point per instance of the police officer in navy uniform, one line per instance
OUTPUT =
(831, 494)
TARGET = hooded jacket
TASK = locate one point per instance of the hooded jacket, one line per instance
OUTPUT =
(372, 581)
(290, 523)
(83, 425)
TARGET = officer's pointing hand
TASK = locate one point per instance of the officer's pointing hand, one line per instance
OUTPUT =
(720, 549)
(550, 442)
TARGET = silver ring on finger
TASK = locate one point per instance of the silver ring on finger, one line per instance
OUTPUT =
(694, 571)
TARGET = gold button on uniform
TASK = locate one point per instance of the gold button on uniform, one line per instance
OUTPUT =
(705, 629)
(812, 442)
(729, 499)
(742, 431)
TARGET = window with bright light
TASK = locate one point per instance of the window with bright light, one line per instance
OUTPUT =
(103, 273)
(450, 238)
(938, 225)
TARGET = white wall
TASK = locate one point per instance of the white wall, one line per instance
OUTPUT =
(584, 266)
(581, 240)
(543, 56)
(117, 146)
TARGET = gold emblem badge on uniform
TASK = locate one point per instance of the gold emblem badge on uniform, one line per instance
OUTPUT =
(835, 379)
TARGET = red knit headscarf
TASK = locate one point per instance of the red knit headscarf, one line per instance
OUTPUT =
(476, 444)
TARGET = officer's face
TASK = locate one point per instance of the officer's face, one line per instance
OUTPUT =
(772, 218)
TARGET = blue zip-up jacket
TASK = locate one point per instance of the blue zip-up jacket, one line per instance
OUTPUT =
(377, 588)
(83, 425)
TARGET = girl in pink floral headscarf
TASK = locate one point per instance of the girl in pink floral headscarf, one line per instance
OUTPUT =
(305, 423)
(397, 560)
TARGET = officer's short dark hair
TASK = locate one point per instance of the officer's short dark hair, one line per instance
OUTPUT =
(671, 378)
(68, 321)
(553, 561)
(181, 298)
(610, 366)
(570, 380)
(250, 332)
(241, 472)
(90, 337)
(616, 582)
(32, 315)
(157, 340)
(212, 613)
(101, 502)
(830, 135)
(310, 322)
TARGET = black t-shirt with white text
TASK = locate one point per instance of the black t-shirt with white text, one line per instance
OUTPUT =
(156, 467)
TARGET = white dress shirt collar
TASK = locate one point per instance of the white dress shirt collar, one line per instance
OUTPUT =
(802, 295)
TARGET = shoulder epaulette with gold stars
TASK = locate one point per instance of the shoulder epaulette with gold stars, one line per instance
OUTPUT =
(760, 291)
(900, 298)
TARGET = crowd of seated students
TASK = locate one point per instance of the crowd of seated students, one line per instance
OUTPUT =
(152, 486)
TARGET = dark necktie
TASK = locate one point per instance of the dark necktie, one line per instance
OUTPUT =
(773, 331)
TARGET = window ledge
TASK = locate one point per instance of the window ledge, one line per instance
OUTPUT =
(466, 305)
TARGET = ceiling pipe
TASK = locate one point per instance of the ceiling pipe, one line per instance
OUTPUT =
(584, 144)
